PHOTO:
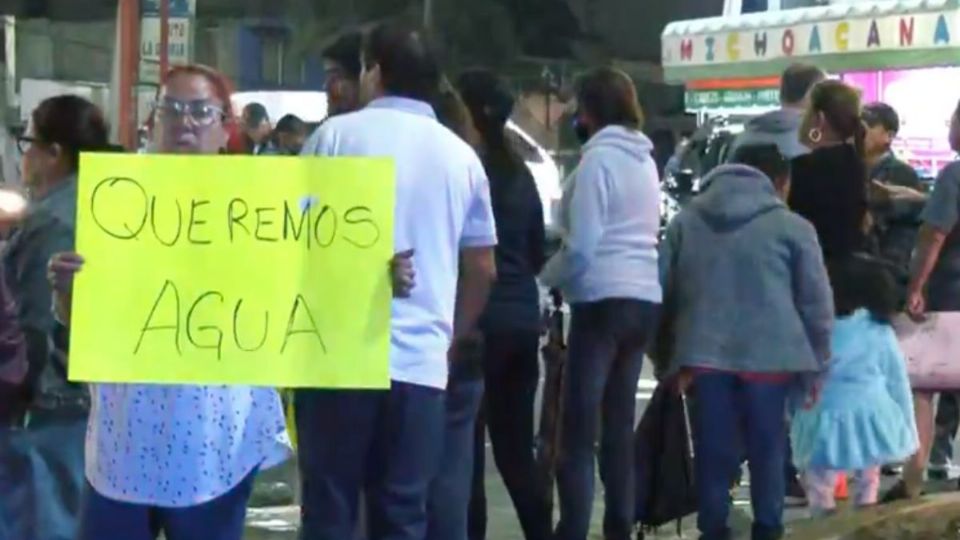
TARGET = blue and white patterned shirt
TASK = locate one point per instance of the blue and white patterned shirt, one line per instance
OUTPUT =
(178, 446)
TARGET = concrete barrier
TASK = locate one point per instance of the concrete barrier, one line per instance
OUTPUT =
(932, 518)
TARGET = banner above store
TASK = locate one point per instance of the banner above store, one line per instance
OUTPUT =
(866, 35)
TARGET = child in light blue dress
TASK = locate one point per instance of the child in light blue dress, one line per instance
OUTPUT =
(863, 416)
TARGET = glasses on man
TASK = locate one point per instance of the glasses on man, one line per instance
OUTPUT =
(24, 143)
(200, 112)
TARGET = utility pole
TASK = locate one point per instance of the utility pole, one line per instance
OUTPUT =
(164, 38)
(129, 68)
(428, 14)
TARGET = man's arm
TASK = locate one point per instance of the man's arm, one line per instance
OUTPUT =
(478, 267)
(478, 271)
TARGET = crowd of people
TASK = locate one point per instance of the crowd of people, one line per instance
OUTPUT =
(769, 302)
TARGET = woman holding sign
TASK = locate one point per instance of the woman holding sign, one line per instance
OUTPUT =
(175, 459)
(180, 460)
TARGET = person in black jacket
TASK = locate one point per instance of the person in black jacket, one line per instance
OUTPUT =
(897, 193)
(511, 322)
(829, 185)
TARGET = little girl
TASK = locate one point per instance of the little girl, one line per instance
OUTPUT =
(861, 416)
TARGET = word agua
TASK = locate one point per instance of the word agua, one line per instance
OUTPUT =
(188, 323)
(315, 226)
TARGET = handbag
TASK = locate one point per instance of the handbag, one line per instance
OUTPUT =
(930, 348)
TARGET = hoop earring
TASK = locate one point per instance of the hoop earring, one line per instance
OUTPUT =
(815, 135)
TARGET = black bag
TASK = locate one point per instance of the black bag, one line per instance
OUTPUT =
(666, 490)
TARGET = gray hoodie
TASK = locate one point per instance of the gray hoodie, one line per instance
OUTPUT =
(609, 219)
(780, 127)
(745, 285)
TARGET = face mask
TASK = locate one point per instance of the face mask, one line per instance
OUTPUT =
(582, 131)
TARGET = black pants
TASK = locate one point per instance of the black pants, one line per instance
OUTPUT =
(511, 372)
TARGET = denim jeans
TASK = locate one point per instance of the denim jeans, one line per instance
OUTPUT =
(41, 477)
(386, 443)
(511, 377)
(729, 409)
(451, 489)
(219, 519)
(607, 343)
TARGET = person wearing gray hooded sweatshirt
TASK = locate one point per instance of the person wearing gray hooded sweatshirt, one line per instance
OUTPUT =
(782, 126)
(748, 317)
(607, 270)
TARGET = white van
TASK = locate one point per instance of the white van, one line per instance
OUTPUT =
(311, 107)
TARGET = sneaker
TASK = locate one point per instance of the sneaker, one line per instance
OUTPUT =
(944, 472)
(796, 495)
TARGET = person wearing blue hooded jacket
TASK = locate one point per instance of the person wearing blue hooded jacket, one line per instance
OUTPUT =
(607, 270)
(749, 310)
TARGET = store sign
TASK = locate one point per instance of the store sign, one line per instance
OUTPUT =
(886, 33)
(179, 42)
(730, 98)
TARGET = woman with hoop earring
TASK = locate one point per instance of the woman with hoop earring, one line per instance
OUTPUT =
(829, 185)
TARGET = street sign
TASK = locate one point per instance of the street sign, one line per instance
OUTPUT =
(180, 40)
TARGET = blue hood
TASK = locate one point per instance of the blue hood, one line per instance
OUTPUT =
(735, 195)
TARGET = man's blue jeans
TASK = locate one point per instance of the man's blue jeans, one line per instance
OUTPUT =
(730, 409)
(386, 443)
(450, 491)
(41, 478)
(607, 343)
(219, 519)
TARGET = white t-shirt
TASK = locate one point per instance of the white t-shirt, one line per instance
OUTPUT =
(442, 206)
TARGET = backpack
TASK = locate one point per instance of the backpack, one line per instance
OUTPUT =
(666, 489)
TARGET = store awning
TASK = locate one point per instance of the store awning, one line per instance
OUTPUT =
(861, 36)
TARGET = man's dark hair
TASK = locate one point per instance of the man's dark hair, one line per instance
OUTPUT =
(797, 80)
(292, 124)
(881, 114)
(255, 114)
(766, 158)
(345, 51)
(408, 66)
(610, 98)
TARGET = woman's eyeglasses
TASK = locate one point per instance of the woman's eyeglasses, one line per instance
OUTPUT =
(24, 143)
(200, 113)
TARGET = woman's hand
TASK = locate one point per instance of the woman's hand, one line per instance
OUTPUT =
(916, 305)
(61, 271)
(402, 274)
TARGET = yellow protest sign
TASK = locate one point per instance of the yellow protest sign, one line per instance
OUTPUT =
(269, 271)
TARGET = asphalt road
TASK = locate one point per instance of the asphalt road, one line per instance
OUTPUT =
(280, 522)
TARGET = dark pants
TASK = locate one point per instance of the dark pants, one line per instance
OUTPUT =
(219, 519)
(948, 420)
(41, 477)
(607, 342)
(730, 409)
(451, 489)
(386, 443)
(512, 373)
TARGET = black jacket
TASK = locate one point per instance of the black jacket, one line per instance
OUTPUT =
(829, 189)
(514, 302)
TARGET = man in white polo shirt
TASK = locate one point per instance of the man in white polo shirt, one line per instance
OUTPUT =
(389, 443)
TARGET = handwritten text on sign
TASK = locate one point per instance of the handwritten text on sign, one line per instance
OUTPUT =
(233, 270)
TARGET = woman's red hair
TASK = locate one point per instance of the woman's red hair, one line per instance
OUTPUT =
(222, 88)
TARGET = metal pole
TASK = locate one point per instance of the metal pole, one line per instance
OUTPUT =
(164, 38)
(129, 68)
(427, 14)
